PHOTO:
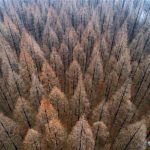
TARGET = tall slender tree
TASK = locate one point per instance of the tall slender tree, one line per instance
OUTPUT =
(55, 134)
(46, 113)
(73, 75)
(81, 136)
(32, 140)
(48, 77)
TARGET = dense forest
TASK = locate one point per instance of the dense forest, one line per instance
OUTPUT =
(74, 74)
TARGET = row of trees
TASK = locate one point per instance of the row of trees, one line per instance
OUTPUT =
(74, 75)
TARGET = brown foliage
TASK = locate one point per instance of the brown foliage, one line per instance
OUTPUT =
(74, 74)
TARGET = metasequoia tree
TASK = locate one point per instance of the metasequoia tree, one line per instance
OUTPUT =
(80, 30)
(49, 37)
(9, 133)
(55, 134)
(27, 66)
(16, 86)
(7, 102)
(71, 39)
(141, 94)
(73, 75)
(110, 85)
(7, 54)
(64, 19)
(131, 137)
(137, 46)
(120, 42)
(134, 18)
(36, 18)
(123, 68)
(95, 73)
(95, 21)
(81, 136)
(48, 77)
(36, 91)
(44, 8)
(58, 99)
(100, 112)
(125, 11)
(106, 14)
(11, 33)
(51, 17)
(96, 50)
(79, 102)
(32, 140)
(104, 48)
(28, 43)
(8, 97)
(123, 108)
(31, 46)
(59, 30)
(5, 68)
(79, 55)
(91, 92)
(54, 22)
(24, 113)
(95, 69)
(64, 54)
(110, 65)
(83, 16)
(101, 133)
(14, 16)
(29, 19)
(46, 113)
(57, 65)
(88, 40)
